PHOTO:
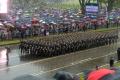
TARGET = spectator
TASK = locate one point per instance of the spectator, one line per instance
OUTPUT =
(111, 62)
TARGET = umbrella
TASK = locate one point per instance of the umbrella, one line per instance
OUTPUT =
(53, 22)
(98, 74)
(61, 75)
(107, 77)
(1, 26)
(116, 76)
(9, 25)
(71, 16)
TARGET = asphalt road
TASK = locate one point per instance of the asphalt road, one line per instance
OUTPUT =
(74, 63)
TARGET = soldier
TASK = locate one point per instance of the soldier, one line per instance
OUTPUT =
(66, 43)
(7, 52)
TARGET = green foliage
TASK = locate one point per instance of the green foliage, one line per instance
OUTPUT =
(28, 4)
(66, 5)
(111, 3)
(117, 4)
(9, 42)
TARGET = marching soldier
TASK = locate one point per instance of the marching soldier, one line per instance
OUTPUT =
(67, 43)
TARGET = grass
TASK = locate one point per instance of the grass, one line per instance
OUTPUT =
(13, 41)
(9, 42)
(117, 64)
(66, 4)
(107, 29)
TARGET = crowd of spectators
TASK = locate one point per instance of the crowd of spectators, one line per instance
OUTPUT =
(53, 21)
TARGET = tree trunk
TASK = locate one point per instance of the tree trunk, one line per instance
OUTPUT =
(82, 6)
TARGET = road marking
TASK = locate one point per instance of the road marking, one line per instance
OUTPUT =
(41, 61)
(105, 55)
(82, 61)
(79, 73)
(85, 60)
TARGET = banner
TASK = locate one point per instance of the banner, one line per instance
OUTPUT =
(92, 8)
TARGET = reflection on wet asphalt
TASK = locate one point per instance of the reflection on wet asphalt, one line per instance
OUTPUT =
(74, 63)
(77, 68)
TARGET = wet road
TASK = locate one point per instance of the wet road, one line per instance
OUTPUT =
(74, 63)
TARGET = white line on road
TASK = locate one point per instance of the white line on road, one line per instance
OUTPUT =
(85, 60)
(39, 61)
(82, 61)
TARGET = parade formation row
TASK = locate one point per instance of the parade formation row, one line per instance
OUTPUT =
(66, 43)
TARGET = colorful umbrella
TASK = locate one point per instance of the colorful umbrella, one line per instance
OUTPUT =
(10, 25)
(98, 74)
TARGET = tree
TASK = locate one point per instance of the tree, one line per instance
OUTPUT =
(109, 3)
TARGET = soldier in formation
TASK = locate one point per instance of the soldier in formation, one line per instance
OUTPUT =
(67, 43)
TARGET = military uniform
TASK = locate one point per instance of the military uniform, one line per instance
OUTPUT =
(67, 43)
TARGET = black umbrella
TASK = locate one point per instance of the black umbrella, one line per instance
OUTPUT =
(111, 77)
(61, 75)
(116, 77)
(107, 77)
